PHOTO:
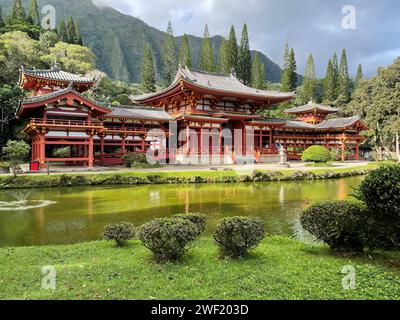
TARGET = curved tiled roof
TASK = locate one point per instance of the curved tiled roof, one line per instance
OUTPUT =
(217, 81)
(58, 93)
(338, 123)
(56, 74)
(312, 106)
(138, 112)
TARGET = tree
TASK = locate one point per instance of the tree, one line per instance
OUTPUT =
(48, 39)
(359, 77)
(244, 57)
(18, 49)
(232, 48)
(17, 153)
(34, 13)
(309, 88)
(73, 58)
(257, 72)
(71, 31)
(377, 101)
(207, 62)
(329, 93)
(184, 53)
(9, 97)
(148, 77)
(223, 58)
(18, 11)
(1, 18)
(344, 79)
(62, 32)
(335, 66)
(170, 63)
(79, 40)
(289, 76)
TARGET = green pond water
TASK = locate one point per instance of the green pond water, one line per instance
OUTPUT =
(78, 214)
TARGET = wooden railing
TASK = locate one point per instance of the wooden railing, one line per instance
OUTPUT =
(65, 123)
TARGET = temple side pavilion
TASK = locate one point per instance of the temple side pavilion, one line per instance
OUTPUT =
(202, 106)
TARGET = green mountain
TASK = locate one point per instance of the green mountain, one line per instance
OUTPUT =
(118, 40)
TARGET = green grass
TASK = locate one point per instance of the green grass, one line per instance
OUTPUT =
(280, 268)
(319, 165)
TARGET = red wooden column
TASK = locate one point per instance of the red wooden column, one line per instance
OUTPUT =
(357, 151)
(102, 148)
(42, 151)
(343, 140)
(123, 143)
(271, 140)
(91, 153)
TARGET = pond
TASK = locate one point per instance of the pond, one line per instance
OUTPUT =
(78, 214)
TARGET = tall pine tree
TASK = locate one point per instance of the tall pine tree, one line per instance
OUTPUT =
(329, 84)
(184, 53)
(18, 11)
(344, 79)
(34, 17)
(62, 31)
(79, 40)
(309, 90)
(257, 72)
(148, 76)
(359, 77)
(232, 49)
(71, 31)
(335, 66)
(1, 18)
(223, 63)
(207, 62)
(170, 63)
(289, 75)
(244, 58)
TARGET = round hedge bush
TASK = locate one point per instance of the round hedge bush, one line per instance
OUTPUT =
(380, 190)
(316, 154)
(236, 235)
(121, 233)
(340, 224)
(167, 238)
(199, 220)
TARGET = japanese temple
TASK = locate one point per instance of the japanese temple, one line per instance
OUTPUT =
(210, 116)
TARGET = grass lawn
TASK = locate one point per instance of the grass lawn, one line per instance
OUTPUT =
(280, 268)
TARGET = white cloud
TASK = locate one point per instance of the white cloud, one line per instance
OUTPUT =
(311, 26)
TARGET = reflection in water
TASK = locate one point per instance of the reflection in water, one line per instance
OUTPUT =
(69, 215)
(24, 205)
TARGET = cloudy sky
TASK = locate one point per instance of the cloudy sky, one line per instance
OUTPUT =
(310, 26)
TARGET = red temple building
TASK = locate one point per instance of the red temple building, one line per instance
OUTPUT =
(200, 115)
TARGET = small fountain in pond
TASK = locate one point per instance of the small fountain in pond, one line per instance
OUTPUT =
(22, 203)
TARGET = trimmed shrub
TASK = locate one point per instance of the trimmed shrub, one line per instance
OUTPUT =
(167, 238)
(380, 190)
(132, 159)
(199, 220)
(340, 224)
(4, 167)
(316, 154)
(121, 233)
(236, 235)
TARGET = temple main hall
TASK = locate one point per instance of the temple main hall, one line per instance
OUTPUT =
(201, 118)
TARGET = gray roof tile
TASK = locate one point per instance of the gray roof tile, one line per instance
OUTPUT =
(138, 112)
(57, 74)
(311, 106)
(217, 81)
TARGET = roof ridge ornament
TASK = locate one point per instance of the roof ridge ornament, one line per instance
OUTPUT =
(56, 66)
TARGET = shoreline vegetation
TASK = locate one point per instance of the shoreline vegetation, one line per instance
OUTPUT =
(177, 177)
(280, 268)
